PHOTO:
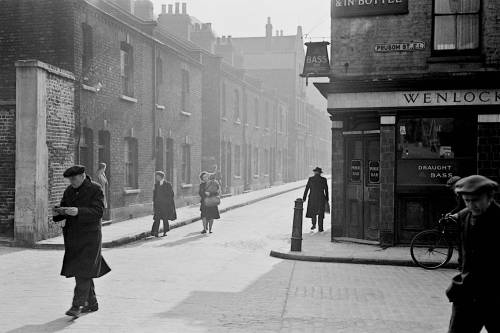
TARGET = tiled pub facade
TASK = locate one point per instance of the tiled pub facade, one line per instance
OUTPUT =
(412, 103)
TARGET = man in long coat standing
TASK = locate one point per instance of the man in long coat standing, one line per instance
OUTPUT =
(163, 204)
(318, 198)
(82, 207)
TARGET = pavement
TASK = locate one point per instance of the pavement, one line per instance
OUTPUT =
(317, 247)
(224, 282)
(118, 234)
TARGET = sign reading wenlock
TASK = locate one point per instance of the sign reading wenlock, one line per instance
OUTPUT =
(316, 62)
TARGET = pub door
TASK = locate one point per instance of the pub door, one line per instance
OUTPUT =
(362, 187)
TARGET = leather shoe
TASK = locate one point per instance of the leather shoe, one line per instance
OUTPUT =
(90, 308)
(313, 227)
(74, 311)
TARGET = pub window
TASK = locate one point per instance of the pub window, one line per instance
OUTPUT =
(237, 160)
(256, 110)
(127, 69)
(186, 164)
(87, 49)
(185, 91)
(456, 25)
(236, 104)
(131, 163)
(86, 148)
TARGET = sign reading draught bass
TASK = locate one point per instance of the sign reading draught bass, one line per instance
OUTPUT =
(316, 61)
(352, 8)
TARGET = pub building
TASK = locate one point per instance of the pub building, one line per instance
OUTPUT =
(414, 99)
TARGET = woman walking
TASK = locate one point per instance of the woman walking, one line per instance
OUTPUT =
(209, 194)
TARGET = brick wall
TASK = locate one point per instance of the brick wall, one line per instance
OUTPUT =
(7, 167)
(337, 183)
(387, 183)
(60, 139)
(489, 150)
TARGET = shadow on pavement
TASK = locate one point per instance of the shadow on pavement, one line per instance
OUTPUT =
(9, 250)
(186, 239)
(52, 326)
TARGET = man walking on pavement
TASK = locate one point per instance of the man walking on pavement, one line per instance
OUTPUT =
(475, 291)
(82, 208)
(318, 198)
(163, 204)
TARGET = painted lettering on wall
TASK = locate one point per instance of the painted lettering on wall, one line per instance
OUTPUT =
(455, 97)
(350, 8)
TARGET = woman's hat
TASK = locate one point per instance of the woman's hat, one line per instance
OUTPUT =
(318, 169)
(203, 173)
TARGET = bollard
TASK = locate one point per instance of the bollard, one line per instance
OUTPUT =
(297, 226)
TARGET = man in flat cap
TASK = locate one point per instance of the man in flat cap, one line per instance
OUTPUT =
(82, 207)
(163, 204)
(475, 291)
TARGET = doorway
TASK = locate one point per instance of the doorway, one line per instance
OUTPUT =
(362, 186)
(104, 156)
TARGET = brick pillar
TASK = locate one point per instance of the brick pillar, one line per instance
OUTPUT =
(488, 133)
(387, 179)
(337, 181)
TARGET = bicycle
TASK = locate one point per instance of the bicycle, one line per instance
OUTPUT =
(433, 248)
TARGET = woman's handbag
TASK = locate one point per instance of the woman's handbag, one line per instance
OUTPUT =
(327, 207)
(212, 201)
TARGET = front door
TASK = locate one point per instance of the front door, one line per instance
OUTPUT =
(362, 186)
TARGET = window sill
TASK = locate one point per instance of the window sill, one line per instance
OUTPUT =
(131, 191)
(128, 99)
(186, 185)
(237, 177)
(456, 58)
(237, 122)
(224, 119)
(89, 88)
(187, 114)
(257, 127)
(256, 176)
(160, 107)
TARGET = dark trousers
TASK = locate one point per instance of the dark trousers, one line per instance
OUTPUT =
(156, 225)
(471, 317)
(84, 292)
(319, 218)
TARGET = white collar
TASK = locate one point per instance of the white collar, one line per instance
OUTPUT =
(162, 181)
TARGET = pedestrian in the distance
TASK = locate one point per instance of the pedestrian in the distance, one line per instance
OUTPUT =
(209, 194)
(475, 292)
(82, 207)
(163, 204)
(318, 198)
(101, 179)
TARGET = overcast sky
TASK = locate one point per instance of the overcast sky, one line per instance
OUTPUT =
(245, 18)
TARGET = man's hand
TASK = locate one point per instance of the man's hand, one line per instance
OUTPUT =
(207, 193)
(56, 211)
(71, 211)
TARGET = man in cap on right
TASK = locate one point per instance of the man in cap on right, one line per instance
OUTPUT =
(475, 291)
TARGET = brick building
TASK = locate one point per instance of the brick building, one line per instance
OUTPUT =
(413, 101)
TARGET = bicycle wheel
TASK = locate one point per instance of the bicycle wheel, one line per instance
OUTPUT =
(431, 249)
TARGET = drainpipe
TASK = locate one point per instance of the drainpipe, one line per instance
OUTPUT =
(153, 156)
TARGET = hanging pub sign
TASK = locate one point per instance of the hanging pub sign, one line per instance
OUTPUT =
(355, 171)
(316, 62)
(356, 8)
(374, 172)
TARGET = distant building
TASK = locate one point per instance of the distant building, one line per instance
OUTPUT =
(414, 100)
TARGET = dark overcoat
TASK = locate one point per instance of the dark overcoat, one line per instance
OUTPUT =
(163, 201)
(82, 233)
(209, 212)
(318, 196)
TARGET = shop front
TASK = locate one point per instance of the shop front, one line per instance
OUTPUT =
(395, 144)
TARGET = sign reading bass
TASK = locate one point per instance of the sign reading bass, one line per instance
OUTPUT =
(351, 8)
(316, 61)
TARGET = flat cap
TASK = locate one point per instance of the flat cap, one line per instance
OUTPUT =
(475, 184)
(74, 170)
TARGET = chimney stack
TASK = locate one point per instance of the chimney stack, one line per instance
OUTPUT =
(170, 9)
(269, 28)
(177, 8)
(184, 8)
(163, 9)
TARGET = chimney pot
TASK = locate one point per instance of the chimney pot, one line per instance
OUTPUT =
(184, 8)
(177, 8)
(163, 9)
(170, 9)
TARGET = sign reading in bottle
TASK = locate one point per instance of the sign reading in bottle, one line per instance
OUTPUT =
(353, 8)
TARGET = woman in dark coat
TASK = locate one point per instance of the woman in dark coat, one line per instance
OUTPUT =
(317, 198)
(208, 188)
(82, 208)
(163, 204)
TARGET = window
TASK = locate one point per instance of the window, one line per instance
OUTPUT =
(159, 154)
(456, 25)
(87, 49)
(256, 110)
(237, 160)
(266, 115)
(266, 162)
(186, 164)
(131, 163)
(159, 77)
(185, 91)
(245, 109)
(169, 154)
(104, 147)
(236, 105)
(223, 100)
(127, 69)
(256, 160)
(87, 150)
